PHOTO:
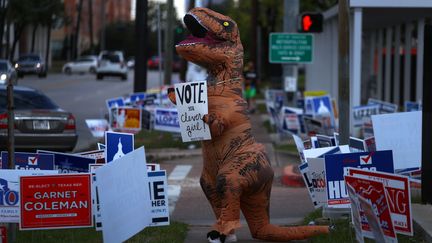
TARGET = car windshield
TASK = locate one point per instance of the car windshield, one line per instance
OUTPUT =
(111, 57)
(27, 100)
(29, 58)
(3, 66)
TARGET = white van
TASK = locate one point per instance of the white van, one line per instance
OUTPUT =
(111, 63)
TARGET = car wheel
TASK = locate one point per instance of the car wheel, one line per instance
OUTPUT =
(124, 77)
(68, 71)
(99, 76)
(42, 75)
(92, 70)
(20, 75)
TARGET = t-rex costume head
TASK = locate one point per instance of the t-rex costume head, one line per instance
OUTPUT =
(236, 173)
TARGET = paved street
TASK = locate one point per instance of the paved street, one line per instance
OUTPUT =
(85, 96)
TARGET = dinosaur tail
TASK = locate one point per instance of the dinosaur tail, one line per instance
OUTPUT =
(271, 232)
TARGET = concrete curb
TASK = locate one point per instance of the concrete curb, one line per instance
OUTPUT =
(291, 177)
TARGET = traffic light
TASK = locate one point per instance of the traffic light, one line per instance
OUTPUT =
(311, 23)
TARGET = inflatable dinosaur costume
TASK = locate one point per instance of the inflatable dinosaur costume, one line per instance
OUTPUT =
(236, 174)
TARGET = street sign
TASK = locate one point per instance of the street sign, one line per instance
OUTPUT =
(290, 48)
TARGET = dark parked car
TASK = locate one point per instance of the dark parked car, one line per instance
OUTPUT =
(39, 122)
(7, 72)
(31, 64)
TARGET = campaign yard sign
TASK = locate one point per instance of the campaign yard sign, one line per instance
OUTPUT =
(55, 201)
(397, 191)
(412, 106)
(402, 133)
(374, 192)
(337, 166)
(97, 127)
(158, 188)
(125, 119)
(153, 167)
(114, 102)
(29, 161)
(355, 213)
(124, 196)
(373, 221)
(192, 105)
(69, 163)
(10, 192)
(318, 180)
(95, 197)
(304, 169)
(291, 121)
(166, 119)
(137, 98)
(118, 145)
(384, 107)
(362, 114)
(98, 155)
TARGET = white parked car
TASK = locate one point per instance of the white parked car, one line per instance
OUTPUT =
(111, 63)
(83, 64)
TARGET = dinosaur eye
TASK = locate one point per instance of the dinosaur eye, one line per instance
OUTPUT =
(225, 24)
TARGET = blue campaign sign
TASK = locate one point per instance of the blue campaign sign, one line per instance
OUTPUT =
(166, 119)
(412, 106)
(69, 163)
(115, 102)
(29, 161)
(117, 145)
(337, 166)
(137, 97)
(322, 105)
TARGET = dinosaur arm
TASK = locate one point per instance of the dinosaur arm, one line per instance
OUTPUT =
(216, 123)
(171, 95)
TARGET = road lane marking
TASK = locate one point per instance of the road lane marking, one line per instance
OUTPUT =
(180, 172)
(173, 195)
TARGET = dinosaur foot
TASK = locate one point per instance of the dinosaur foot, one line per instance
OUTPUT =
(215, 237)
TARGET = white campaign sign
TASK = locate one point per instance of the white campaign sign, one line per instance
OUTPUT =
(124, 201)
(10, 190)
(318, 179)
(402, 133)
(192, 105)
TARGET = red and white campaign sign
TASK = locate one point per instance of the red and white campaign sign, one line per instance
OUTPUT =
(55, 201)
(374, 191)
(397, 191)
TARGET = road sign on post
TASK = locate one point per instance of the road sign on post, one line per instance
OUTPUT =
(291, 48)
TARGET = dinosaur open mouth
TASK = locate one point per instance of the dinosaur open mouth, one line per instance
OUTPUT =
(199, 34)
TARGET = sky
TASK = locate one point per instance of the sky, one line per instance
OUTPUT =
(178, 4)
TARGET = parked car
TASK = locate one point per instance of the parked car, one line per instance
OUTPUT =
(39, 122)
(31, 64)
(153, 63)
(7, 72)
(111, 63)
(83, 64)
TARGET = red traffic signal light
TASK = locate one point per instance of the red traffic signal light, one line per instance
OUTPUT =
(311, 22)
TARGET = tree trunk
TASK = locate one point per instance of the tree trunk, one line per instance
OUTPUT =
(47, 51)
(75, 50)
(33, 37)
(17, 36)
(90, 17)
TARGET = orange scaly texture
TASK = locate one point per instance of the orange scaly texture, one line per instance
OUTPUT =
(236, 174)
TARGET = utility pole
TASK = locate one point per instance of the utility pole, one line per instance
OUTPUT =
(254, 26)
(426, 189)
(169, 42)
(344, 82)
(291, 12)
(141, 38)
